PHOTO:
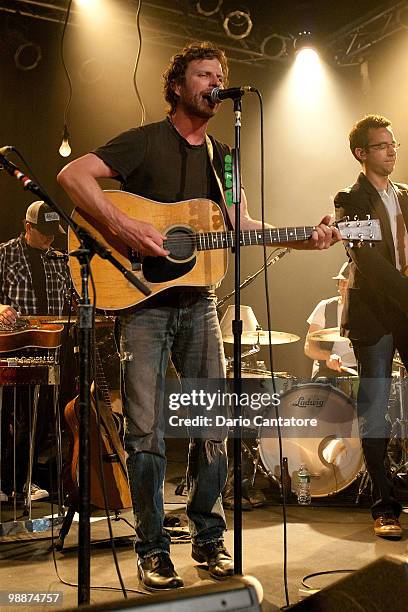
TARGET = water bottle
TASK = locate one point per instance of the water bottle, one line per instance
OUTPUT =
(303, 493)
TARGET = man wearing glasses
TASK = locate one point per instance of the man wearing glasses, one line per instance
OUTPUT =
(375, 313)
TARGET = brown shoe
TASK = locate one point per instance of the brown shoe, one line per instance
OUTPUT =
(387, 527)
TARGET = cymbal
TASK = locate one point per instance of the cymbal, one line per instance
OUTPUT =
(262, 337)
(330, 334)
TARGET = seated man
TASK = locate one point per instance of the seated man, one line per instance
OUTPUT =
(33, 282)
(330, 358)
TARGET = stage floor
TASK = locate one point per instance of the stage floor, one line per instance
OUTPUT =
(320, 538)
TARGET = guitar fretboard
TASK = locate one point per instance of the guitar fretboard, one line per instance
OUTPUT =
(277, 235)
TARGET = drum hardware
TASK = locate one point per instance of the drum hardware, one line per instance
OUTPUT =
(283, 382)
(399, 429)
(255, 457)
(400, 425)
(229, 360)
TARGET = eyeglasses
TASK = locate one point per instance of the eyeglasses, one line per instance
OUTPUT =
(381, 146)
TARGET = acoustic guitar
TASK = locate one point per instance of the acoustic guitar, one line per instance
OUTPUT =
(196, 238)
(104, 435)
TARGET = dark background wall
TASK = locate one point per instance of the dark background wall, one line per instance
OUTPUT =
(307, 156)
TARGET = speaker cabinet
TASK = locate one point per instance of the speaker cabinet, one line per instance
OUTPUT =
(231, 596)
(381, 586)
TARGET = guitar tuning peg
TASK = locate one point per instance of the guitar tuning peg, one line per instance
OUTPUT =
(355, 218)
(350, 245)
(368, 217)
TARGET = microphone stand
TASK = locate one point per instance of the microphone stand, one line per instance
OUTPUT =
(89, 246)
(237, 333)
(249, 279)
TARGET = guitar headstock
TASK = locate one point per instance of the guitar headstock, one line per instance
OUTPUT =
(359, 231)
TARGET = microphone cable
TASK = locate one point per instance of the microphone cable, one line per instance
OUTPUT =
(269, 318)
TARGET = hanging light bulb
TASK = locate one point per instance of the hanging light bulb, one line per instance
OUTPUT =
(65, 149)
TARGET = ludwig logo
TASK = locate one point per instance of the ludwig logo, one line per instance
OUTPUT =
(303, 402)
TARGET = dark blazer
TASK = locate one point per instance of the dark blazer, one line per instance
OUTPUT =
(377, 297)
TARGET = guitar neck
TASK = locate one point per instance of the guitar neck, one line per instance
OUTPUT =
(277, 235)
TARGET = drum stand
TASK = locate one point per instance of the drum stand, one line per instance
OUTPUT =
(399, 432)
(254, 456)
(364, 482)
(401, 424)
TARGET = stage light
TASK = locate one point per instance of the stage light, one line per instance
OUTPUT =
(274, 46)
(85, 3)
(308, 62)
(238, 23)
(65, 149)
(208, 7)
(27, 56)
(304, 40)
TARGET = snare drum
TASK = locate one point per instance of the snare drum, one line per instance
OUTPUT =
(262, 384)
(333, 462)
(283, 380)
(347, 384)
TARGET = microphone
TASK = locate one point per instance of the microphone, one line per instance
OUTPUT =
(231, 93)
(6, 149)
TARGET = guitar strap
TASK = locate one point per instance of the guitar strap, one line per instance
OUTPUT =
(210, 151)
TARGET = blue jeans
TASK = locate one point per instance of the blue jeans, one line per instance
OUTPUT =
(188, 332)
(375, 366)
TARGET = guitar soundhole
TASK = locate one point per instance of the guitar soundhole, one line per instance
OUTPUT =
(180, 242)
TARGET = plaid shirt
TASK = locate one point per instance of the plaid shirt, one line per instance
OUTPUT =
(16, 285)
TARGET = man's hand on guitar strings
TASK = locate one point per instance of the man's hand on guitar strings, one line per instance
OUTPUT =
(143, 237)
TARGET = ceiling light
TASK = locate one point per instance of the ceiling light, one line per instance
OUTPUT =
(274, 46)
(208, 7)
(237, 24)
(27, 56)
(65, 149)
(304, 40)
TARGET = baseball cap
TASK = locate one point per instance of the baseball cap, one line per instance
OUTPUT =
(45, 219)
(343, 273)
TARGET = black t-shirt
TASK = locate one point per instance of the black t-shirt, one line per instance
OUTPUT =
(156, 162)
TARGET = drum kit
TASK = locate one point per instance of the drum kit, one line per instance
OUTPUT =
(334, 461)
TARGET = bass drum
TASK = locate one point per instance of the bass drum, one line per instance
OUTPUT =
(333, 462)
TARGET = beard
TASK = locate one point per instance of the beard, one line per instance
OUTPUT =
(198, 106)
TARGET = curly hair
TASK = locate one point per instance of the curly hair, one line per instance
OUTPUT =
(176, 70)
(358, 136)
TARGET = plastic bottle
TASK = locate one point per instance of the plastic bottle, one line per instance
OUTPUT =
(303, 493)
